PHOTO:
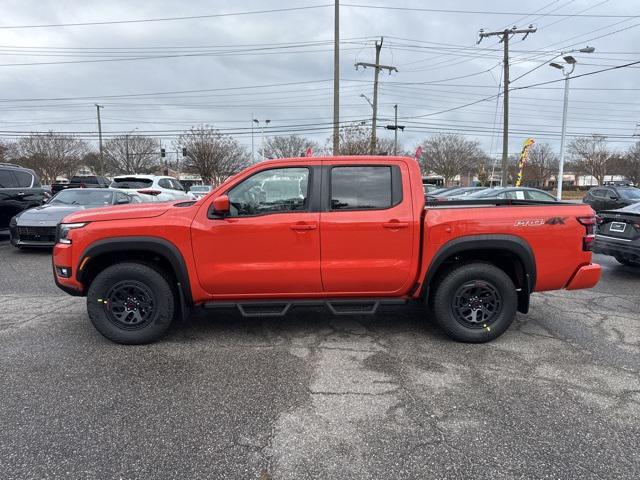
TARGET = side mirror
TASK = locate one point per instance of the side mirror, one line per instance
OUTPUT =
(613, 197)
(221, 206)
(123, 201)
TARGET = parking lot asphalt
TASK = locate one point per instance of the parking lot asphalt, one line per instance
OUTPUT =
(316, 396)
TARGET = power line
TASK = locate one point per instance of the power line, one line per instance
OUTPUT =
(167, 19)
(484, 12)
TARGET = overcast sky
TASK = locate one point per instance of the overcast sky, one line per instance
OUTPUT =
(211, 60)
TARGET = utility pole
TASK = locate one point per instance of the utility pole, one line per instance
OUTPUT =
(504, 38)
(336, 79)
(377, 67)
(395, 127)
(98, 107)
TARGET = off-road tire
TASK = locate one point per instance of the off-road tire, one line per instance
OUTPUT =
(449, 302)
(131, 285)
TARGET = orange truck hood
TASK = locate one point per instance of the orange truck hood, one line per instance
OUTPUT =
(122, 212)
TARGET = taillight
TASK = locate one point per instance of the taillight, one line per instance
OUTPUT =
(150, 192)
(590, 234)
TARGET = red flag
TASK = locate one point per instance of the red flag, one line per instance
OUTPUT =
(309, 152)
(418, 152)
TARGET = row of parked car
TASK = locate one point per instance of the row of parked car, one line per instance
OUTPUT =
(30, 212)
(617, 206)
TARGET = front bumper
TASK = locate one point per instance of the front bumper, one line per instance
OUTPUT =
(32, 236)
(62, 257)
(611, 246)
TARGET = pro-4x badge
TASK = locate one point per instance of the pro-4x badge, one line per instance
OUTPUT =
(556, 221)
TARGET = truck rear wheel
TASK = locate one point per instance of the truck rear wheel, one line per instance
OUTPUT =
(475, 302)
(131, 303)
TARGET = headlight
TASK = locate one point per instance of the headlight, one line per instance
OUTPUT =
(64, 229)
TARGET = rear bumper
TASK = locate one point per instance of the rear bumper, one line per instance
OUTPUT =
(586, 276)
(613, 247)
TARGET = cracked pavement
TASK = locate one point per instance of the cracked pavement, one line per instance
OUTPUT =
(311, 395)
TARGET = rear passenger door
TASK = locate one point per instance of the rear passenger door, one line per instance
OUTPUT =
(368, 233)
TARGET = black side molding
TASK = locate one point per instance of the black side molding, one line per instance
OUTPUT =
(152, 245)
(478, 243)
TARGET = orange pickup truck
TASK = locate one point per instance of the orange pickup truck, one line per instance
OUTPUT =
(347, 233)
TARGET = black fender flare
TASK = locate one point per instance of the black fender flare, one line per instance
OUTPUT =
(475, 243)
(154, 245)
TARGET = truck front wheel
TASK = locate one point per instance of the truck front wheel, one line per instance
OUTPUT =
(475, 302)
(131, 303)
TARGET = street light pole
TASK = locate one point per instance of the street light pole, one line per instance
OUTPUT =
(253, 155)
(562, 136)
(257, 122)
(567, 75)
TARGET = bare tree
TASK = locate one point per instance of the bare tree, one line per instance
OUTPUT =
(51, 154)
(287, 146)
(355, 139)
(541, 165)
(213, 155)
(5, 151)
(592, 155)
(450, 155)
(630, 164)
(131, 154)
(91, 160)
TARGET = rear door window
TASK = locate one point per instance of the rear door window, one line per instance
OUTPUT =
(25, 179)
(363, 188)
(165, 183)
(535, 195)
(7, 180)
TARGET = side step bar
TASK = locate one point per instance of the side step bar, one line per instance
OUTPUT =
(279, 308)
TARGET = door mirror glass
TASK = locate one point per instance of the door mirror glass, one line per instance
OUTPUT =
(221, 205)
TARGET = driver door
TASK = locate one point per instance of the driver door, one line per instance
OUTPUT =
(269, 245)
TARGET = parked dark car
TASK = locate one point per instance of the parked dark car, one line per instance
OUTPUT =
(82, 181)
(611, 197)
(515, 193)
(618, 235)
(37, 227)
(19, 190)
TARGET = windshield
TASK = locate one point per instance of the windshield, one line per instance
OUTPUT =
(82, 197)
(131, 182)
(630, 193)
(84, 179)
(634, 208)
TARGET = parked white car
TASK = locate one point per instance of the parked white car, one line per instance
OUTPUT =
(152, 188)
(199, 191)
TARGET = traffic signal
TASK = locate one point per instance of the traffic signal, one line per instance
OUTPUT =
(163, 152)
(184, 151)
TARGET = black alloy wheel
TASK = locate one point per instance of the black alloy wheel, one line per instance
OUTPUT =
(477, 304)
(130, 305)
